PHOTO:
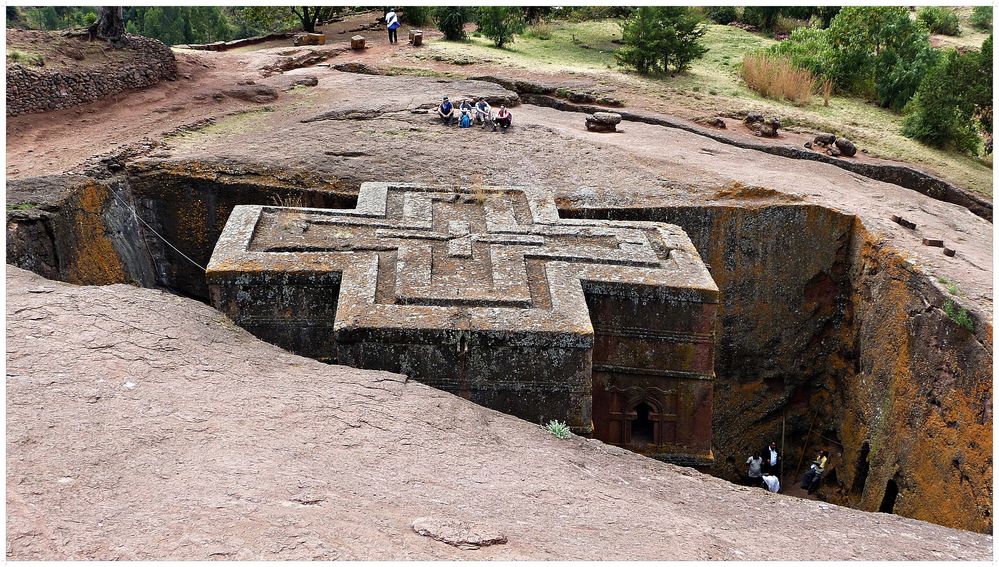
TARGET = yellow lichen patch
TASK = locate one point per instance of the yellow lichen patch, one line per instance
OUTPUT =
(95, 261)
(737, 191)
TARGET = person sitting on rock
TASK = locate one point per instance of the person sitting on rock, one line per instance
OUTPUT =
(466, 119)
(483, 113)
(465, 106)
(446, 111)
(504, 118)
(814, 474)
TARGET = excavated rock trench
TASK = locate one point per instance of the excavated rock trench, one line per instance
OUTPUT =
(824, 335)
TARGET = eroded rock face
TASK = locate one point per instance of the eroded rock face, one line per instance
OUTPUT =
(134, 413)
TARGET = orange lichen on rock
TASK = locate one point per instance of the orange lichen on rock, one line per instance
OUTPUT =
(95, 261)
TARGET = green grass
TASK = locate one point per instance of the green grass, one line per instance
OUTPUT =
(25, 58)
(712, 86)
(970, 37)
(959, 315)
(236, 123)
(21, 206)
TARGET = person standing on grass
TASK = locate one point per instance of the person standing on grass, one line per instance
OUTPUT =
(392, 23)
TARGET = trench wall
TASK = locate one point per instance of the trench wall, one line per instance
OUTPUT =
(821, 328)
(835, 337)
(31, 90)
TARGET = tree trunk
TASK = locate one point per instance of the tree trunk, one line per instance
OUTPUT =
(110, 24)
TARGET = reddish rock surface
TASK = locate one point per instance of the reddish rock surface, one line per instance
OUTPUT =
(141, 425)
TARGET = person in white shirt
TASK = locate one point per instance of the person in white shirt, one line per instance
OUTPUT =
(483, 113)
(773, 484)
(392, 23)
(755, 463)
(771, 459)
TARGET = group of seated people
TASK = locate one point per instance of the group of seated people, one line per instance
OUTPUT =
(480, 113)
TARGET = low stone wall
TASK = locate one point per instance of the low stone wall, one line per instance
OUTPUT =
(227, 45)
(31, 90)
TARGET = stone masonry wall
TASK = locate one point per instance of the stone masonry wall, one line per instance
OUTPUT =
(32, 90)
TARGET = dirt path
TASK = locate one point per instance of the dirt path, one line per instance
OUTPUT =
(141, 425)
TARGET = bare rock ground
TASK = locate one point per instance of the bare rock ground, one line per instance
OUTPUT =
(141, 425)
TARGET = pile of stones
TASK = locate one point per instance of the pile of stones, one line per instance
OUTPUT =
(831, 145)
(762, 125)
(603, 122)
(31, 90)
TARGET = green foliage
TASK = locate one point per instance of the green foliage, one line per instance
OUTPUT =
(981, 17)
(500, 23)
(24, 58)
(559, 429)
(589, 13)
(14, 17)
(540, 30)
(953, 100)
(51, 17)
(659, 38)
(417, 15)
(939, 20)
(807, 48)
(451, 21)
(722, 14)
(958, 315)
(763, 17)
(21, 206)
(879, 52)
(179, 24)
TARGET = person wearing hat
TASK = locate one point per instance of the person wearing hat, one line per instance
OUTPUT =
(446, 111)
(392, 23)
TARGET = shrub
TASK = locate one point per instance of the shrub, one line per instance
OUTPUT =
(559, 429)
(500, 23)
(25, 58)
(959, 315)
(763, 17)
(722, 14)
(451, 21)
(776, 77)
(981, 17)
(659, 38)
(939, 20)
(541, 30)
(879, 52)
(807, 48)
(953, 100)
(417, 15)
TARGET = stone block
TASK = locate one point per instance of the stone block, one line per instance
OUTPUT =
(416, 37)
(357, 42)
(488, 294)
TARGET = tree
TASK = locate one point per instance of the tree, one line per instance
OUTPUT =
(275, 18)
(659, 38)
(110, 24)
(500, 23)
(879, 52)
(763, 17)
(954, 99)
(451, 21)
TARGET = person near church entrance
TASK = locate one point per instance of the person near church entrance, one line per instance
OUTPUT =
(755, 474)
(814, 474)
(771, 460)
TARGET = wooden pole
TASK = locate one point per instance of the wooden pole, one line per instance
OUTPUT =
(783, 420)
(803, 449)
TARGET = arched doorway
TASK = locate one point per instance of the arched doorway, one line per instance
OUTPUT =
(642, 426)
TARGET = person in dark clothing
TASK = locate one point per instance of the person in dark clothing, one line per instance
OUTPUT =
(771, 460)
(446, 111)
